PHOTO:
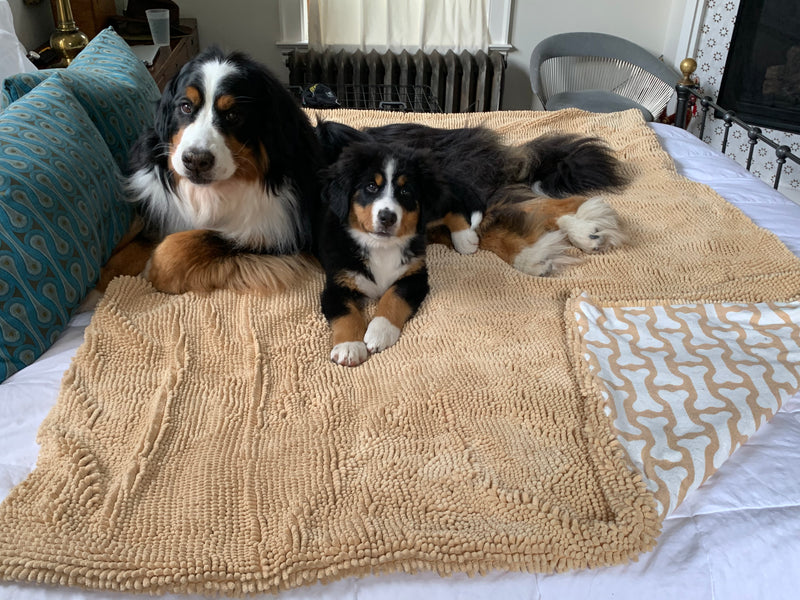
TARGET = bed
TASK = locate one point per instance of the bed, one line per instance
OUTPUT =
(735, 536)
(738, 536)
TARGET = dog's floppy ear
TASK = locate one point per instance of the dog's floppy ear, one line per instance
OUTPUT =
(164, 114)
(342, 176)
(335, 137)
(338, 188)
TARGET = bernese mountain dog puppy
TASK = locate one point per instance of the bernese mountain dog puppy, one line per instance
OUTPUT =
(228, 179)
(528, 204)
(372, 244)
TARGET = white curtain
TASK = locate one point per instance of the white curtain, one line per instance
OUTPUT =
(401, 24)
(12, 53)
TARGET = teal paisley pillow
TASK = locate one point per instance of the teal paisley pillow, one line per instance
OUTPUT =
(111, 83)
(16, 86)
(61, 214)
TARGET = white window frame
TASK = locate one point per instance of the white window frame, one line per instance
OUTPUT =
(293, 17)
(689, 22)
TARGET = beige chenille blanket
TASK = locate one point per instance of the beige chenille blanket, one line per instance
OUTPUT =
(207, 444)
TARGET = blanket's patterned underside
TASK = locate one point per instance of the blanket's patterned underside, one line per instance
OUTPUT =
(688, 384)
(207, 443)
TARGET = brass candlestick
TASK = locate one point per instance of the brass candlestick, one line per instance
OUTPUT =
(67, 40)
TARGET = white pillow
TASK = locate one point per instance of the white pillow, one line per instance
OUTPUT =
(12, 52)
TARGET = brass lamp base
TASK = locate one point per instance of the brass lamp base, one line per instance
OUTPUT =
(67, 44)
(67, 40)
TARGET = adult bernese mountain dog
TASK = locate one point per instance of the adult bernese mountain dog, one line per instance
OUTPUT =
(228, 178)
(372, 244)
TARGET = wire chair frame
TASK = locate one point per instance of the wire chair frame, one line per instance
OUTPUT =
(576, 73)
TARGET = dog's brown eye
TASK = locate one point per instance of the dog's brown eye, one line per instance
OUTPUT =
(186, 108)
(372, 188)
(233, 116)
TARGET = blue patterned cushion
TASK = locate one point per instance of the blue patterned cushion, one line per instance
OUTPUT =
(16, 86)
(111, 83)
(61, 214)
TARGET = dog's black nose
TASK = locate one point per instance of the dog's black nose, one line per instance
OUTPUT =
(387, 218)
(198, 161)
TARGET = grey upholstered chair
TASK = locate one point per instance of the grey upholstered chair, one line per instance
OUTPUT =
(600, 73)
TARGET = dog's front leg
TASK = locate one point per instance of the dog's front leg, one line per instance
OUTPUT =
(201, 261)
(342, 309)
(397, 305)
(462, 232)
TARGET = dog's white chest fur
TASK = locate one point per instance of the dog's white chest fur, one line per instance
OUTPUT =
(387, 263)
(242, 211)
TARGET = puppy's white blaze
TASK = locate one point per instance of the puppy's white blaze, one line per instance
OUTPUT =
(201, 134)
(349, 354)
(386, 200)
(380, 334)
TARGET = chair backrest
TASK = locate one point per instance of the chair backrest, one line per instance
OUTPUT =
(590, 60)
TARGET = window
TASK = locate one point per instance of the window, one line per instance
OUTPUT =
(382, 24)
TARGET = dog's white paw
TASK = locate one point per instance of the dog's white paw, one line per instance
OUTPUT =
(380, 334)
(349, 354)
(594, 227)
(465, 241)
(547, 256)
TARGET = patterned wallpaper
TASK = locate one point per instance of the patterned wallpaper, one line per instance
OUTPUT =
(712, 52)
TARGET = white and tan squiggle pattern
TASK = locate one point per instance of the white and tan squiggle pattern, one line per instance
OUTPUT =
(685, 385)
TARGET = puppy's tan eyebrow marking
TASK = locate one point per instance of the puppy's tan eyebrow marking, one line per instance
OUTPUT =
(225, 102)
(402, 180)
(378, 179)
(193, 94)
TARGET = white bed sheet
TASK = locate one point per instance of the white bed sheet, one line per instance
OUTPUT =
(737, 537)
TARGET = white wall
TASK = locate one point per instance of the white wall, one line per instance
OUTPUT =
(33, 23)
(251, 26)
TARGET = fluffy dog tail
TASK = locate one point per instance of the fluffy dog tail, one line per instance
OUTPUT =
(565, 165)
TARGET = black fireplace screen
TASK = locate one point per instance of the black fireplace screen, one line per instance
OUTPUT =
(761, 82)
